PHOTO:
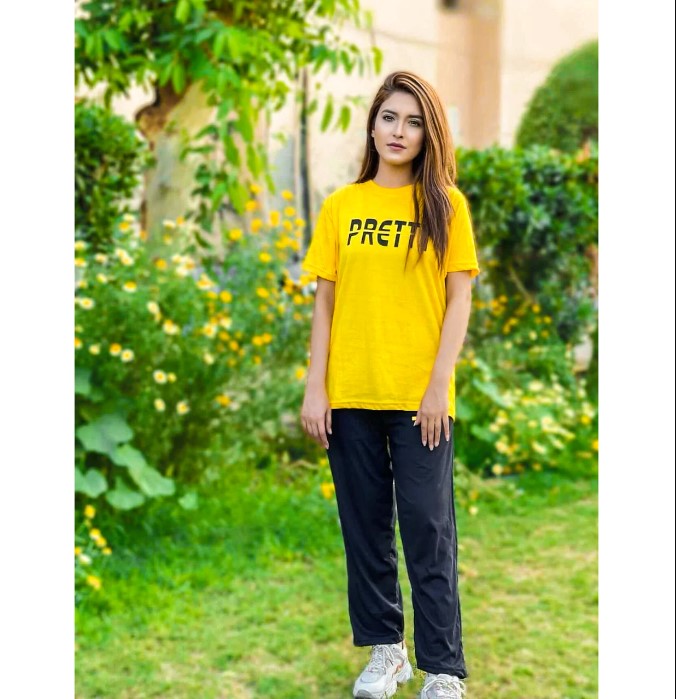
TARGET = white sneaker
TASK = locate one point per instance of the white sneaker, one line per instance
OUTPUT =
(442, 687)
(388, 667)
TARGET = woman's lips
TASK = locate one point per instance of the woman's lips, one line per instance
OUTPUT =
(394, 146)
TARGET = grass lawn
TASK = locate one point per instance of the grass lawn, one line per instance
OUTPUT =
(245, 597)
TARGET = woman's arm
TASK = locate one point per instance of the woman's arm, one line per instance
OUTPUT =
(433, 412)
(316, 412)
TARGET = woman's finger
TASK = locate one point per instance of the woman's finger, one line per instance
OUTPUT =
(447, 428)
(437, 431)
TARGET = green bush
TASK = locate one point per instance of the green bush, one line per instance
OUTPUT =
(520, 405)
(109, 158)
(535, 213)
(563, 112)
(186, 366)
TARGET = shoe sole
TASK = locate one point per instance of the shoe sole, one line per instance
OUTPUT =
(404, 675)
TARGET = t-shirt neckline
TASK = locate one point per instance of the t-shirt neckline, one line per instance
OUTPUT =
(373, 184)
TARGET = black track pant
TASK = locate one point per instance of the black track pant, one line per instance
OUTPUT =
(368, 451)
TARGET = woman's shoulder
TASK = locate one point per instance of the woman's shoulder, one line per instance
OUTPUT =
(341, 194)
(456, 196)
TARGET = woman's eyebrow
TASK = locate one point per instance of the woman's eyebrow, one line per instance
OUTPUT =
(391, 111)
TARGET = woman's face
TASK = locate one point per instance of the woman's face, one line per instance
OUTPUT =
(399, 121)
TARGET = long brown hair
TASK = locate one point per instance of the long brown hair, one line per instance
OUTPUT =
(433, 168)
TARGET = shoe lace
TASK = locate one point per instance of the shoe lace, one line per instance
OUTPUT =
(380, 655)
(445, 686)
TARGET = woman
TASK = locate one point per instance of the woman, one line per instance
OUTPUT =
(394, 256)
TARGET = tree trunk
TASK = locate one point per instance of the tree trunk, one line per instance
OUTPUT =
(169, 182)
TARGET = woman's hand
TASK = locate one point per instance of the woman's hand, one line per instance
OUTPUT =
(315, 415)
(433, 414)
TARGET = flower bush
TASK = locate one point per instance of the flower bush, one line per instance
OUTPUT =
(185, 364)
(91, 549)
(520, 404)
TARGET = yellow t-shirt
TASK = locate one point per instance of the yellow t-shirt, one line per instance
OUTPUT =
(387, 322)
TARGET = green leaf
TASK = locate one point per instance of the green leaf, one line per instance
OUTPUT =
(328, 114)
(151, 482)
(182, 11)
(93, 483)
(491, 391)
(220, 42)
(344, 118)
(123, 498)
(126, 455)
(188, 501)
(104, 434)
(178, 77)
(483, 433)
(82, 385)
(377, 59)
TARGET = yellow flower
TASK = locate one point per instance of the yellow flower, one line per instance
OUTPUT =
(288, 195)
(289, 211)
(94, 582)
(107, 551)
(223, 400)
(101, 278)
(115, 349)
(159, 376)
(497, 469)
(182, 407)
(101, 258)
(143, 235)
(180, 220)
(263, 293)
(168, 223)
(166, 239)
(208, 358)
(80, 262)
(153, 307)
(234, 345)
(535, 308)
(235, 234)
(298, 299)
(80, 245)
(124, 226)
(84, 559)
(127, 355)
(256, 225)
(95, 533)
(160, 263)
(100, 541)
(298, 316)
(595, 445)
(78, 343)
(265, 257)
(205, 283)
(171, 377)
(78, 550)
(538, 448)
(585, 419)
(225, 296)
(159, 405)
(473, 510)
(170, 327)
(251, 205)
(89, 511)
(300, 223)
(274, 218)
(257, 359)
(547, 320)
(255, 189)
(328, 490)
(209, 330)
(537, 467)
(532, 335)
(87, 303)
(130, 287)
(300, 373)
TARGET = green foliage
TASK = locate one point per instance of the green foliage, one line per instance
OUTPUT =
(244, 56)
(187, 363)
(520, 405)
(109, 158)
(535, 214)
(563, 112)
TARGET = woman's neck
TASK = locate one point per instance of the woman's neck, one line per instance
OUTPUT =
(393, 177)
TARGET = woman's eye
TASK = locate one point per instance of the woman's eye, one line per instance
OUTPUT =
(416, 123)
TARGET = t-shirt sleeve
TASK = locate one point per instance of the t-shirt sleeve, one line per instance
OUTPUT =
(461, 252)
(322, 255)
